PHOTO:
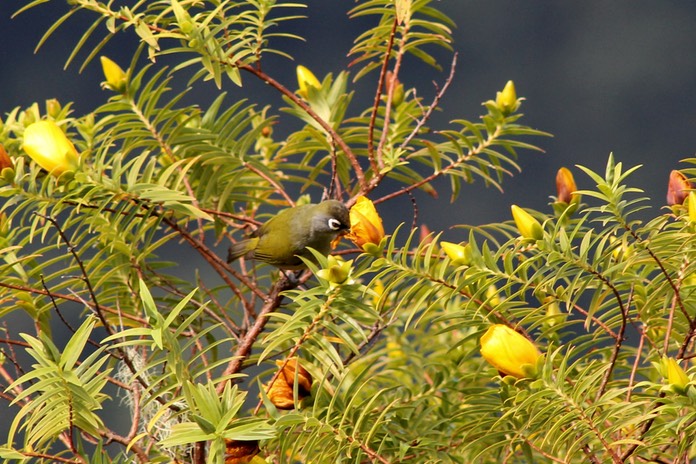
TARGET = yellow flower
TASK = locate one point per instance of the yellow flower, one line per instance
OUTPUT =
(306, 79)
(507, 99)
(674, 374)
(365, 224)
(458, 254)
(622, 251)
(566, 187)
(528, 226)
(46, 144)
(509, 352)
(280, 392)
(692, 207)
(554, 315)
(115, 76)
(677, 188)
(337, 272)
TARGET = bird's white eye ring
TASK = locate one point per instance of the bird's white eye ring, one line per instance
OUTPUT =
(334, 224)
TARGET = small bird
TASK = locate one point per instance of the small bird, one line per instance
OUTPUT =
(284, 238)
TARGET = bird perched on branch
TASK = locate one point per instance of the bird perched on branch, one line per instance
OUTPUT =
(284, 238)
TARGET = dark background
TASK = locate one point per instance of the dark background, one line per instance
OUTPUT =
(600, 76)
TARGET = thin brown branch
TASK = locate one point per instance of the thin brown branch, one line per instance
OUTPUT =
(388, 105)
(271, 303)
(372, 454)
(72, 298)
(300, 341)
(378, 98)
(220, 266)
(278, 188)
(618, 342)
(434, 105)
(597, 321)
(480, 148)
(359, 174)
(658, 261)
(52, 457)
(83, 271)
(125, 441)
(636, 362)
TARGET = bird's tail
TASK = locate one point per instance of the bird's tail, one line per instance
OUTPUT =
(241, 248)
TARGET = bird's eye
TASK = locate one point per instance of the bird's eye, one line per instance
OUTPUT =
(334, 224)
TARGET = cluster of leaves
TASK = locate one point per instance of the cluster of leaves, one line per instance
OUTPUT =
(393, 348)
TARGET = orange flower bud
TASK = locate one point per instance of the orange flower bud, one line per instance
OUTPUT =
(46, 144)
(424, 235)
(240, 451)
(115, 76)
(678, 188)
(5, 160)
(306, 79)
(566, 187)
(509, 352)
(365, 223)
(280, 393)
(528, 226)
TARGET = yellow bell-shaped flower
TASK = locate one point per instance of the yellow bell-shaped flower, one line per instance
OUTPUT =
(306, 79)
(365, 224)
(46, 144)
(509, 352)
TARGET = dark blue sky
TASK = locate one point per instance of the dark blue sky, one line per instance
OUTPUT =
(601, 76)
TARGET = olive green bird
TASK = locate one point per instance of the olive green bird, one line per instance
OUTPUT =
(284, 238)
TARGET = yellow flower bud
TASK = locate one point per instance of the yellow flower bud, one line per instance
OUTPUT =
(528, 226)
(365, 224)
(337, 272)
(492, 296)
(566, 187)
(554, 315)
(115, 76)
(458, 254)
(306, 79)
(48, 146)
(622, 251)
(678, 188)
(280, 393)
(397, 87)
(507, 99)
(509, 352)
(674, 374)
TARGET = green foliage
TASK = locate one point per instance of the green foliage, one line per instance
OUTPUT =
(376, 359)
